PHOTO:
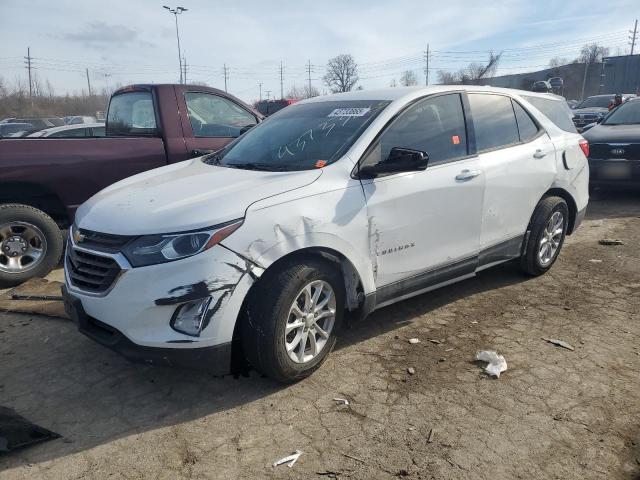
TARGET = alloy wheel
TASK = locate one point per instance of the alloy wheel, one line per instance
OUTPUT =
(551, 238)
(22, 247)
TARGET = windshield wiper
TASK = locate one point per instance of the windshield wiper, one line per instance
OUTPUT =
(256, 166)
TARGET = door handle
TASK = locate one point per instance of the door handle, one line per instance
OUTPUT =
(539, 154)
(468, 174)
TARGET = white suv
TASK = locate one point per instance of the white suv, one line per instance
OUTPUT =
(344, 202)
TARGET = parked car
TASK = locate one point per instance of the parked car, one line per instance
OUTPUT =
(66, 131)
(344, 202)
(14, 129)
(43, 180)
(269, 107)
(78, 119)
(593, 109)
(614, 147)
(556, 83)
(541, 86)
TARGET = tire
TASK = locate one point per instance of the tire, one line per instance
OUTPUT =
(269, 311)
(25, 231)
(534, 261)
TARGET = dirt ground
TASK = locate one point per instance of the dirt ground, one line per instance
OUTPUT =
(554, 414)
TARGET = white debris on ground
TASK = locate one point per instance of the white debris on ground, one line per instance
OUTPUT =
(414, 341)
(496, 364)
(559, 343)
(343, 401)
(289, 460)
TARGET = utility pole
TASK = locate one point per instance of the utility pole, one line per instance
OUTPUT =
(268, 94)
(260, 87)
(309, 72)
(184, 67)
(634, 35)
(28, 63)
(281, 81)
(88, 81)
(177, 11)
(584, 79)
(226, 76)
(426, 69)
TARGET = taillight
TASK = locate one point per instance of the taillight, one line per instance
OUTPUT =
(584, 145)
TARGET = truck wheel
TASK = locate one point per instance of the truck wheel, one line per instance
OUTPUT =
(548, 229)
(293, 318)
(30, 244)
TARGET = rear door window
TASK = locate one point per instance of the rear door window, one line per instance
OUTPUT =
(494, 121)
(73, 132)
(132, 113)
(555, 110)
(526, 126)
(214, 116)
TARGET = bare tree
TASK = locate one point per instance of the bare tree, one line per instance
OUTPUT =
(592, 53)
(342, 73)
(556, 62)
(304, 92)
(408, 78)
(393, 83)
(446, 78)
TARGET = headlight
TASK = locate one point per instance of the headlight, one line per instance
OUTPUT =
(153, 249)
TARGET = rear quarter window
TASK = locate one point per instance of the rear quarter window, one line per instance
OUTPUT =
(132, 113)
(555, 110)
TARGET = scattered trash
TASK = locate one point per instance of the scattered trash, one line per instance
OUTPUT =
(413, 341)
(560, 343)
(496, 363)
(353, 458)
(290, 460)
(343, 401)
(437, 342)
(449, 349)
(595, 260)
(17, 432)
(442, 359)
(430, 437)
(474, 321)
(44, 298)
(411, 370)
(610, 241)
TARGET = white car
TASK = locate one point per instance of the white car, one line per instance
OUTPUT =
(347, 202)
(71, 131)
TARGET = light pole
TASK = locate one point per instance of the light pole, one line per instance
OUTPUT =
(177, 11)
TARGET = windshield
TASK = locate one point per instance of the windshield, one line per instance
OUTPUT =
(596, 102)
(626, 114)
(300, 137)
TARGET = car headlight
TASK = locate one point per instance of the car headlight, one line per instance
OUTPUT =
(154, 249)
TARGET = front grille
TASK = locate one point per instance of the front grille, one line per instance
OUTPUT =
(101, 242)
(629, 151)
(90, 272)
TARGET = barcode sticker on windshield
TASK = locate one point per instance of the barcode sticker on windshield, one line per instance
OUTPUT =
(349, 112)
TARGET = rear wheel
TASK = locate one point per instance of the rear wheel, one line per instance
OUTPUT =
(293, 318)
(548, 229)
(30, 244)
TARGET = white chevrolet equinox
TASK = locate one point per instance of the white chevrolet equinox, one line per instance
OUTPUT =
(346, 202)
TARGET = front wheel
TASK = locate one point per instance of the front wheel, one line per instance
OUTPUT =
(548, 229)
(293, 318)
(30, 244)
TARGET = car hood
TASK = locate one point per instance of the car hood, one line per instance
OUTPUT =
(184, 196)
(589, 110)
(613, 134)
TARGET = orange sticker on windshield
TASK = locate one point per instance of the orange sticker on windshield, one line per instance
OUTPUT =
(321, 163)
(455, 139)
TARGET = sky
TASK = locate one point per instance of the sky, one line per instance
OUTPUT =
(122, 42)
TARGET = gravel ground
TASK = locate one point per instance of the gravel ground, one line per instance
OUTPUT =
(554, 413)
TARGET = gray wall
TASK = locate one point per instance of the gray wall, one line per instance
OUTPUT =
(619, 75)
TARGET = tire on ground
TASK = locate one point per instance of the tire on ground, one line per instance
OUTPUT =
(530, 261)
(12, 212)
(267, 314)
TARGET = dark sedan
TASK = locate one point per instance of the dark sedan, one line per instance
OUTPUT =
(614, 147)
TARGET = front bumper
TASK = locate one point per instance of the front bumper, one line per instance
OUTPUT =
(215, 359)
(614, 171)
(133, 315)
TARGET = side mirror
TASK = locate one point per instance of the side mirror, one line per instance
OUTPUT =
(399, 160)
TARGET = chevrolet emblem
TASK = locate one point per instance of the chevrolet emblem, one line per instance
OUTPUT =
(617, 151)
(77, 236)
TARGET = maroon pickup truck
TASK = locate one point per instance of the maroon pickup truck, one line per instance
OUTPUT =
(44, 180)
